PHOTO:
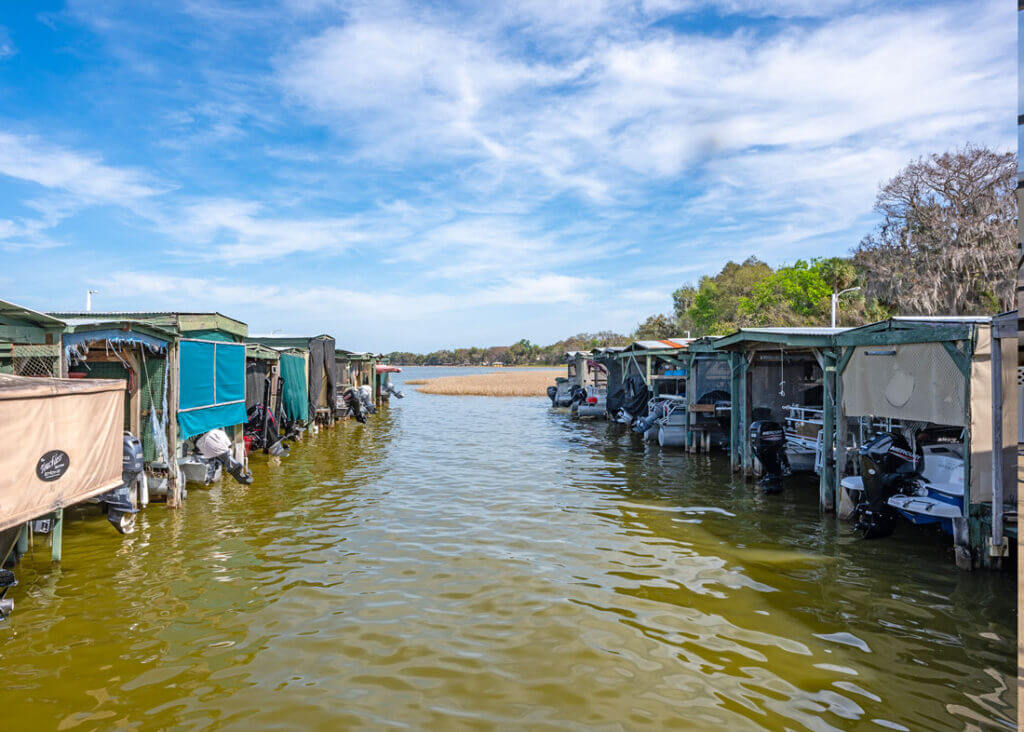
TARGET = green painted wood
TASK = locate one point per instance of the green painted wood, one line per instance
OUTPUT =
(961, 359)
(734, 416)
(57, 535)
(826, 490)
(895, 332)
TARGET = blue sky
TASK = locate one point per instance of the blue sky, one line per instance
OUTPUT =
(425, 175)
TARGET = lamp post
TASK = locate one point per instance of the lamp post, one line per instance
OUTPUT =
(88, 300)
(835, 301)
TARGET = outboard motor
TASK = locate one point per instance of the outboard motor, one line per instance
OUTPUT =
(7, 581)
(121, 503)
(354, 404)
(389, 388)
(887, 464)
(654, 413)
(215, 445)
(553, 394)
(768, 441)
(366, 399)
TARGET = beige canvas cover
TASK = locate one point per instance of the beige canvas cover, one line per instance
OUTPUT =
(61, 443)
(908, 381)
(981, 418)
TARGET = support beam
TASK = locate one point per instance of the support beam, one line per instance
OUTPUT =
(57, 535)
(22, 547)
(841, 434)
(734, 411)
(827, 484)
(997, 446)
(748, 400)
(175, 488)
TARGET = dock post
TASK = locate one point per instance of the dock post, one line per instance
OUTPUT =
(826, 488)
(23, 539)
(746, 397)
(57, 535)
(734, 413)
(174, 477)
(841, 426)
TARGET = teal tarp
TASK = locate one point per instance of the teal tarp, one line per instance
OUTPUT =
(211, 386)
(296, 401)
(210, 335)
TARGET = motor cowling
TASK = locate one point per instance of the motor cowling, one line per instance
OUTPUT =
(216, 445)
(768, 442)
(888, 464)
(121, 503)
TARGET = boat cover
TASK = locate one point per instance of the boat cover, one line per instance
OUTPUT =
(211, 386)
(62, 443)
(321, 373)
(296, 401)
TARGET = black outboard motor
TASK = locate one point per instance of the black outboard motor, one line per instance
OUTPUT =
(768, 441)
(354, 404)
(552, 393)
(121, 503)
(887, 463)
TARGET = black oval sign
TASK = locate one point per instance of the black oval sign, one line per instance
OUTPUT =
(52, 465)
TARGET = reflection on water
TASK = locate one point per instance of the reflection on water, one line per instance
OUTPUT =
(487, 562)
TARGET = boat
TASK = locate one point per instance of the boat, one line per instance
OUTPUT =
(803, 426)
(921, 483)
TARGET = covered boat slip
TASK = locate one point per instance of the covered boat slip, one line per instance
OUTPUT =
(356, 369)
(694, 377)
(320, 370)
(954, 372)
(138, 354)
(205, 376)
(63, 446)
(29, 341)
(262, 370)
(780, 374)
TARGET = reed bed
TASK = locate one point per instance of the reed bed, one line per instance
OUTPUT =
(509, 383)
(416, 382)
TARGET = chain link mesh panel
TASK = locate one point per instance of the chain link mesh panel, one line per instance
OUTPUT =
(35, 360)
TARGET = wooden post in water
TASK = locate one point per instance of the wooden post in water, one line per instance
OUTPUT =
(734, 412)
(57, 535)
(23, 538)
(826, 488)
(748, 401)
(175, 488)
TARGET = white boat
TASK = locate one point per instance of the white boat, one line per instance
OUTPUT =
(938, 492)
(803, 427)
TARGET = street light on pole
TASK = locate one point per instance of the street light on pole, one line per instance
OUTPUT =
(88, 299)
(835, 301)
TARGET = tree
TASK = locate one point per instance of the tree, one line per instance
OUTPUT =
(655, 328)
(712, 306)
(946, 242)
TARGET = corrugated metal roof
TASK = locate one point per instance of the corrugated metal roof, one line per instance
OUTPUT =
(10, 308)
(946, 318)
(796, 331)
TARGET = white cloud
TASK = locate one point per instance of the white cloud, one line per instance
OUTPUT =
(6, 44)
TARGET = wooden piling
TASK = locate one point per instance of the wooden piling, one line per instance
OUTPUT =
(57, 535)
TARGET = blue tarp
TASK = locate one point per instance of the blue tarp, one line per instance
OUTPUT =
(114, 337)
(211, 386)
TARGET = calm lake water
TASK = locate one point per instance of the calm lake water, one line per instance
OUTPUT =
(478, 562)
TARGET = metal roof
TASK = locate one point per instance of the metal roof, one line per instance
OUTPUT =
(9, 308)
(666, 344)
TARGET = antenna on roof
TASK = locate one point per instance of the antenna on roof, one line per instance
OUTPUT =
(88, 299)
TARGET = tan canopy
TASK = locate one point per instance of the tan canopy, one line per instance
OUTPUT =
(60, 443)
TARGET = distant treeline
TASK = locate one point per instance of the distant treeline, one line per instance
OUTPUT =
(522, 353)
(945, 244)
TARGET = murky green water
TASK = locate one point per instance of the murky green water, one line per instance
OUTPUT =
(477, 562)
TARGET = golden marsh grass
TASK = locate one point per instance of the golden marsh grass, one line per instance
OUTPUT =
(508, 383)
